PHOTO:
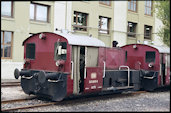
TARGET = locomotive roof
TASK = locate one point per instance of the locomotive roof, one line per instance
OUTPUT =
(82, 40)
(161, 49)
(78, 39)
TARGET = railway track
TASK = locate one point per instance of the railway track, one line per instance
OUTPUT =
(23, 107)
(30, 106)
(16, 100)
(10, 84)
(64, 102)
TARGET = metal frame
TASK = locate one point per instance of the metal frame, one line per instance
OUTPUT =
(128, 73)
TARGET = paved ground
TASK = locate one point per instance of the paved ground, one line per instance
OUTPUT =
(10, 80)
(151, 101)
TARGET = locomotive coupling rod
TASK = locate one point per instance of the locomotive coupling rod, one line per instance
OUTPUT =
(18, 73)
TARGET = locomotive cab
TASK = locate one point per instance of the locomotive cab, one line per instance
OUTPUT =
(45, 68)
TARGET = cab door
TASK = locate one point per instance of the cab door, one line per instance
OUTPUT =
(76, 68)
(93, 75)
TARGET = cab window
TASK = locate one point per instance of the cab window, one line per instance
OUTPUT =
(30, 51)
(150, 56)
(60, 51)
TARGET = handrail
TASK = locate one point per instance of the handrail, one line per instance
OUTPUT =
(85, 72)
(150, 77)
(104, 69)
(72, 69)
(85, 63)
(128, 73)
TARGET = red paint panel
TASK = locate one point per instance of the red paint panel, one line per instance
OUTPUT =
(168, 76)
(136, 56)
(136, 62)
(159, 80)
(94, 79)
(69, 85)
(44, 53)
(114, 58)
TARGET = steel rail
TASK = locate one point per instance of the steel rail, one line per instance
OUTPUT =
(31, 106)
(8, 84)
(16, 100)
(138, 92)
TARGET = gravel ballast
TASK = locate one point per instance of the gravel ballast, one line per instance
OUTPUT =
(150, 101)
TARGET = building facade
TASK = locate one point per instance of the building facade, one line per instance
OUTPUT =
(123, 21)
(19, 20)
(93, 18)
(134, 22)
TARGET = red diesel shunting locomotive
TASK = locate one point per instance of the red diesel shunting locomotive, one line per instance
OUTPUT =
(153, 60)
(63, 65)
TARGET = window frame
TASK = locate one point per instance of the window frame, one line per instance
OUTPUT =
(2, 43)
(103, 3)
(134, 2)
(35, 12)
(147, 7)
(148, 57)
(145, 36)
(34, 51)
(62, 56)
(12, 10)
(131, 34)
(108, 25)
(75, 25)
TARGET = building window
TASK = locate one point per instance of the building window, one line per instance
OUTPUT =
(39, 12)
(132, 5)
(150, 56)
(148, 8)
(104, 25)
(147, 32)
(80, 21)
(6, 44)
(105, 2)
(132, 29)
(7, 8)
